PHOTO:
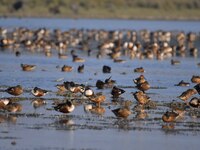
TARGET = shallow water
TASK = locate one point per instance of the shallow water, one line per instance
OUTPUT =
(44, 128)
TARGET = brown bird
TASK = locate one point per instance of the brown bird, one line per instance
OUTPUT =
(122, 112)
(13, 107)
(27, 67)
(98, 110)
(187, 94)
(183, 83)
(66, 107)
(143, 86)
(38, 92)
(141, 97)
(98, 99)
(66, 68)
(3, 103)
(195, 79)
(116, 92)
(61, 87)
(78, 59)
(139, 80)
(139, 70)
(170, 116)
(195, 102)
(15, 90)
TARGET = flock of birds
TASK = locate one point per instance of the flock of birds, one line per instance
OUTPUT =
(143, 44)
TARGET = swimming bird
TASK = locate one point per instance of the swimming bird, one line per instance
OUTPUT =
(38, 92)
(66, 68)
(141, 97)
(187, 94)
(106, 69)
(175, 62)
(139, 70)
(195, 79)
(15, 90)
(66, 107)
(80, 69)
(116, 92)
(170, 116)
(183, 83)
(77, 59)
(27, 67)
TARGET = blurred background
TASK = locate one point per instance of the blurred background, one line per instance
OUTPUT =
(125, 9)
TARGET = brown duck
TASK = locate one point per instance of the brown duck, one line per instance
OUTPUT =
(187, 94)
(141, 97)
(27, 67)
(15, 90)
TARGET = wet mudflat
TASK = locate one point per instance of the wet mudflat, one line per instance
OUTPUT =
(41, 127)
(44, 128)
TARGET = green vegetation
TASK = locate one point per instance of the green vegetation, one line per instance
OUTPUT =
(127, 9)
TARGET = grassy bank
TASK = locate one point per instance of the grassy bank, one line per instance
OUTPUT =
(126, 9)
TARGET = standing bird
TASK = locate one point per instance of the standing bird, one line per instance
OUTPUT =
(80, 69)
(15, 90)
(38, 92)
(98, 99)
(66, 107)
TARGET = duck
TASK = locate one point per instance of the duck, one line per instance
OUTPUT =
(66, 68)
(77, 59)
(183, 83)
(88, 92)
(143, 86)
(139, 80)
(187, 94)
(109, 82)
(141, 97)
(38, 92)
(195, 102)
(13, 107)
(4, 102)
(122, 112)
(28, 67)
(100, 84)
(197, 87)
(195, 79)
(80, 69)
(139, 70)
(170, 116)
(15, 90)
(98, 99)
(61, 87)
(116, 92)
(38, 103)
(175, 62)
(66, 107)
(106, 69)
(97, 110)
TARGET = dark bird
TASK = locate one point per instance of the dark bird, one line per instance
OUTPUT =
(106, 69)
(116, 92)
(183, 83)
(100, 84)
(80, 69)
(66, 107)
(197, 87)
(195, 102)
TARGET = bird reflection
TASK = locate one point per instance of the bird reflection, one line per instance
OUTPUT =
(64, 123)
